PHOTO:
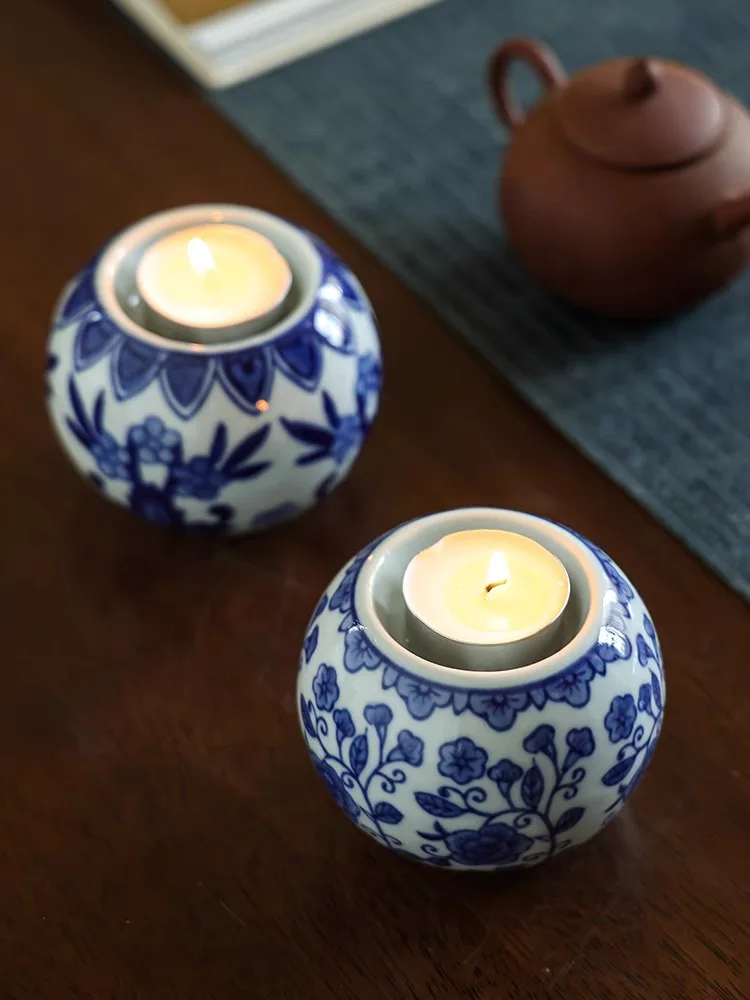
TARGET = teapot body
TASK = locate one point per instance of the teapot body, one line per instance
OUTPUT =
(623, 242)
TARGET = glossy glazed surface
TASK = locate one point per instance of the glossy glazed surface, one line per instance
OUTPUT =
(163, 834)
(481, 769)
(234, 436)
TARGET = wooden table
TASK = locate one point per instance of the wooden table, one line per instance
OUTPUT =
(162, 834)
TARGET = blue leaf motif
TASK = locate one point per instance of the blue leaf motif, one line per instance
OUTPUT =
(307, 433)
(532, 787)
(186, 381)
(656, 688)
(244, 450)
(569, 819)
(99, 413)
(219, 444)
(615, 774)
(358, 754)
(644, 650)
(311, 643)
(305, 716)
(247, 377)
(329, 407)
(437, 806)
(384, 812)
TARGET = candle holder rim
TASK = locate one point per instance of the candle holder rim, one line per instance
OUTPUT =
(579, 645)
(126, 241)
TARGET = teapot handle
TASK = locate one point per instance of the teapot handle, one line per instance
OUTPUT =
(540, 58)
(730, 217)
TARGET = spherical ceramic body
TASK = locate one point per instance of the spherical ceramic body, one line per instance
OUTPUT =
(236, 436)
(480, 770)
(593, 206)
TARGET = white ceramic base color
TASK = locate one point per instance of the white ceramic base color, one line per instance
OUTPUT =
(480, 769)
(234, 436)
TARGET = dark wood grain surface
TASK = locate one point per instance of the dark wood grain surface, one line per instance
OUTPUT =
(162, 834)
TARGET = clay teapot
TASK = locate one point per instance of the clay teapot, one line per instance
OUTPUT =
(626, 188)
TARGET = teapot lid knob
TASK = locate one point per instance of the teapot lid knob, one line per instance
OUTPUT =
(641, 79)
(641, 113)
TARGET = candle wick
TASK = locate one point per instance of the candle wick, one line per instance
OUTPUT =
(497, 583)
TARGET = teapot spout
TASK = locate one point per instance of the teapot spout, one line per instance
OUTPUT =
(731, 217)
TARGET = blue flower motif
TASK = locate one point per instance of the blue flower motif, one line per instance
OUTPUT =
(343, 721)
(311, 643)
(580, 744)
(336, 787)
(498, 707)
(581, 741)
(110, 457)
(358, 652)
(379, 715)
(199, 478)
(410, 748)
(154, 442)
(540, 740)
(620, 718)
(505, 773)
(421, 698)
(369, 374)
(325, 688)
(572, 686)
(462, 760)
(496, 844)
(644, 698)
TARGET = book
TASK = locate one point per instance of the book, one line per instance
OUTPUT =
(222, 42)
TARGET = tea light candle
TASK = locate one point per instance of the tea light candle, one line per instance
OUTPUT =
(485, 600)
(215, 280)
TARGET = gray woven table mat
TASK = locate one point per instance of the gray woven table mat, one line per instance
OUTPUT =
(393, 134)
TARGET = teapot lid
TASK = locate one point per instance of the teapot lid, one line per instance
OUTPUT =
(641, 113)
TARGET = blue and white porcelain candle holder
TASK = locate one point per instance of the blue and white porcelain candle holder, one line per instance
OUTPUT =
(237, 434)
(480, 769)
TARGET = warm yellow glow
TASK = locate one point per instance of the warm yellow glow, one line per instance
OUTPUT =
(200, 256)
(212, 276)
(486, 586)
(498, 572)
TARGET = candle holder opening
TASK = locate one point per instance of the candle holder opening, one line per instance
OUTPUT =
(118, 290)
(382, 608)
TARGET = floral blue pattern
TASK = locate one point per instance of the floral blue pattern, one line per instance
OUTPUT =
(247, 375)
(471, 776)
(151, 443)
(359, 765)
(335, 439)
(636, 726)
(529, 814)
(462, 760)
(500, 709)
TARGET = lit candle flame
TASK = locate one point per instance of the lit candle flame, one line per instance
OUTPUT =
(200, 256)
(498, 572)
